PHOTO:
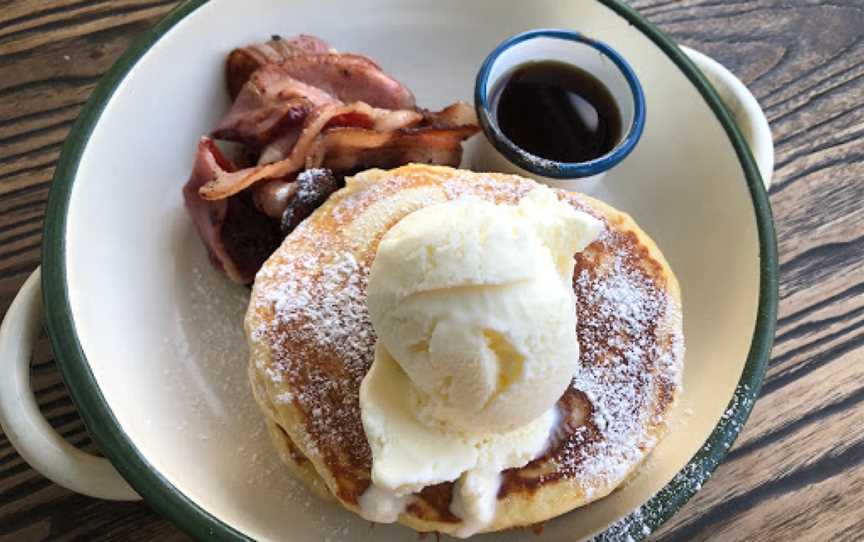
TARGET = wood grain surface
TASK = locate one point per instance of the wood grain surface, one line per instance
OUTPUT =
(797, 470)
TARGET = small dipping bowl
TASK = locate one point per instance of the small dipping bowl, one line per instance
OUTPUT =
(499, 153)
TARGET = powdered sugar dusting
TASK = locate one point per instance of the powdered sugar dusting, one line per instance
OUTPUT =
(331, 310)
(488, 188)
(628, 372)
(320, 310)
(631, 359)
(314, 297)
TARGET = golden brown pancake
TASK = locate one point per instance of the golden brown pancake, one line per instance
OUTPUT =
(312, 342)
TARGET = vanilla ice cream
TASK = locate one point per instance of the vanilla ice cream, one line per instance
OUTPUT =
(475, 314)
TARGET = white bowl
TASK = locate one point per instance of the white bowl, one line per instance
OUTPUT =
(148, 336)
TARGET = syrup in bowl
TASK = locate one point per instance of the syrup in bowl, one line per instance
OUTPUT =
(557, 111)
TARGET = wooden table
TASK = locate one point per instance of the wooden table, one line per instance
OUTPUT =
(797, 470)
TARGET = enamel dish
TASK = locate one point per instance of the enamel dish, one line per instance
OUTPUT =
(148, 336)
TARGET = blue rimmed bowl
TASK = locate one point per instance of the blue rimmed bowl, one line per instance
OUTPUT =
(573, 48)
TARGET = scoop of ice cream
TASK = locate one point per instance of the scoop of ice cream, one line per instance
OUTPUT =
(475, 314)
(474, 302)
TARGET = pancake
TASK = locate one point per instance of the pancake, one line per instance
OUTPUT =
(311, 344)
(299, 465)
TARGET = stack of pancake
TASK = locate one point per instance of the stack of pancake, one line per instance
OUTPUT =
(312, 343)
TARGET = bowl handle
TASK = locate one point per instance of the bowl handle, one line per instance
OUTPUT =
(744, 108)
(23, 423)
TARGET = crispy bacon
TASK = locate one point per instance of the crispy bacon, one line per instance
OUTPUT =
(243, 62)
(350, 78)
(351, 149)
(456, 114)
(269, 104)
(209, 216)
(357, 114)
(305, 116)
(238, 237)
(277, 98)
(280, 147)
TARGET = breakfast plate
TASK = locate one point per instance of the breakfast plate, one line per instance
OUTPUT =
(149, 337)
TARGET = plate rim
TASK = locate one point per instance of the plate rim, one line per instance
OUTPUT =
(171, 503)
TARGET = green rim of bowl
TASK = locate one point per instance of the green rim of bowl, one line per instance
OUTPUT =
(174, 505)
